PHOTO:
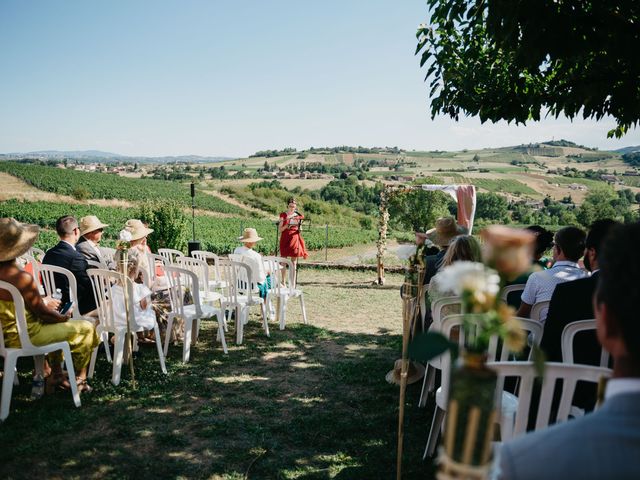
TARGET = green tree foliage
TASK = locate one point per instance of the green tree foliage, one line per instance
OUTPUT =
(512, 60)
(632, 159)
(491, 206)
(349, 191)
(168, 221)
(604, 203)
(416, 209)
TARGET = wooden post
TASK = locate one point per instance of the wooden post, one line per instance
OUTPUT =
(407, 313)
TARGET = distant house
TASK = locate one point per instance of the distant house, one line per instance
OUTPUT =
(609, 178)
(577, 186)
(631, 173)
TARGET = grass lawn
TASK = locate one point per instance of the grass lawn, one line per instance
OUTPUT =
(309, 402)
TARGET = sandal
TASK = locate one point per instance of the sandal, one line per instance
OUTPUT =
(57, 382)
(83, 386)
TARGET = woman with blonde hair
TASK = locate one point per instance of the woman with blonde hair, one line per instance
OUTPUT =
(462, 248)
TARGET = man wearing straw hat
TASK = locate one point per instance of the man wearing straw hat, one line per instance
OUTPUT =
(252, 258)
(90, 235)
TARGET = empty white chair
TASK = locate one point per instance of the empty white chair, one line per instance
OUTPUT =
(442, 394)
(201, 269)
(170, 254)
(27, 349)
(182, 280)
(215, 280)
(105, 285)
(526, 373)
(281, 287)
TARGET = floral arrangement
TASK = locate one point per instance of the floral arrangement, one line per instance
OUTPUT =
(124, 240)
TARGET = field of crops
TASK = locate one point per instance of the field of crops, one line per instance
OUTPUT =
(218, 235)
(109, 186)
(502, 185)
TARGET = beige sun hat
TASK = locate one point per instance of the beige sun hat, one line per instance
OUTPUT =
(249, 235)
(445, 230)
(414, 373)
(90, 223)
(137, 229)
(16, 238)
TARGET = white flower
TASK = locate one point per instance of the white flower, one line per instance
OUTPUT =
(469, 276)
(125, 235)
(404, 252)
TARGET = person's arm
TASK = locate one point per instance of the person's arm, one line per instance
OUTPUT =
(528, 297)
(34, 303)
(284, 224)
(524, 311)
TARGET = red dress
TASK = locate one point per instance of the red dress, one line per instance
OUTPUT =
(291, 242)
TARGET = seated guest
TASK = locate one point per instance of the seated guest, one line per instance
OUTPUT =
(441, 235)
(44, 324)
(90, 235)
(65, 255)
(573, 301)
(606, 443)
(462, 248)
(567, 249)
(252, 258)
(139, 232)
(544, 241)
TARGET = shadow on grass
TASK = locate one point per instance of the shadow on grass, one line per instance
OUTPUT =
(305, 403)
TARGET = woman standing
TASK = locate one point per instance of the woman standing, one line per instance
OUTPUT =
(291, 242)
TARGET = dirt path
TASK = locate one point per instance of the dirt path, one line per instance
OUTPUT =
(233, 201)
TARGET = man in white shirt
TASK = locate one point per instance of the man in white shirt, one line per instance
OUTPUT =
(606, 443)
(90, 235)
(252, 258)
(568, 247)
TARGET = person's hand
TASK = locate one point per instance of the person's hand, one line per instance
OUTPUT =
(69, 314)
(52, 303)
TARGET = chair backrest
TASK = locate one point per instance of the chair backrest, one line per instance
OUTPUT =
(199, 267)
(438, 306)
(154, 261)
(212, 260)
(21, 319)
(108, 254)
(276, 266)
(107, 287)
(568, 336)
(170, 254)
(54, 277)
(504, 294)
(181, 280)
(494, 353)
(36, 253)
(539, 311)
(244, 285)
(525, 372)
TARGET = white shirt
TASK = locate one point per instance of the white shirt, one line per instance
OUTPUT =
(143, 318)
(540, 285)
(617, 386)
(254, 260)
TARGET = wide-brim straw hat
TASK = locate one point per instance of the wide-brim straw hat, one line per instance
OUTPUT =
(249, 235)
(90, 223)
(16, 238)
(415, 372)
(445, 230)
(137, 229)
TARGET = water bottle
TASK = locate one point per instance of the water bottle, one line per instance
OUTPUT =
(37, 387)
(57, 295)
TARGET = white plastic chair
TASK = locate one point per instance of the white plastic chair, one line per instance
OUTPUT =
(96, 264)
(103, 282)
(442, 394)
(170, 254)
(281, 287)
(108, 254)
(240, 295)
(539, 311)
(568, 335)
(36, 253)
(27, 349)
(504, 294)
(526, 374)
(50, 282)
(212, 260)
(181, 280)
(428, 381)
(201, 269)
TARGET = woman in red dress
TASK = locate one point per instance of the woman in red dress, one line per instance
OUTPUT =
(291, 242)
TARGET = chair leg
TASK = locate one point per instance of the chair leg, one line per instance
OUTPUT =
(118, 354)
(304, 310)
(239, 326)
(427, 382)
(438, 417)
(167, 334)
(7, 385)
(265, 323)
(186, 345)
(92, 363)
(72, 375)
(105, 342)
(282, 311)
(156, 331)
(220, 318)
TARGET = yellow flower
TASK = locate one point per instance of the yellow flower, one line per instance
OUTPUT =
(515, 337)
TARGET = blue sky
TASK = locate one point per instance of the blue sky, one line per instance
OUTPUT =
(209, 77)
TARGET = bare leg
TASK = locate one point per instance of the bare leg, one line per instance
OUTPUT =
(294, 260)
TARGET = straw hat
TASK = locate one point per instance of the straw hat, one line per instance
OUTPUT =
(414, 373)
(249, 235)
(16, 238)
(137, 229)
(90, 223)
(445, 230)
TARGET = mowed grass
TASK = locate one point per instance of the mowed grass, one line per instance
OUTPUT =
(309, 402)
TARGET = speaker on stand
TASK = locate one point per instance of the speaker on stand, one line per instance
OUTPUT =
(193, 243)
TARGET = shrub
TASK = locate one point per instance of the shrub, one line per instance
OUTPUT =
(168, 221)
